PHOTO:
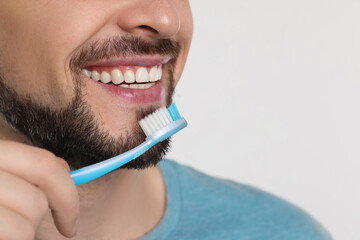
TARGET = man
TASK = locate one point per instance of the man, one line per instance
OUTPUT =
(76, 76)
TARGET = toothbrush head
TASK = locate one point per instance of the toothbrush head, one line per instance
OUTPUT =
(162, 123)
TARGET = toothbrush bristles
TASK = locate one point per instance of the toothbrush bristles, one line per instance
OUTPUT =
(155, 121)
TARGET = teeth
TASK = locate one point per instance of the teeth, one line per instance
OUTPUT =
(137, 86)
(159, 73)
(116, 76)
(129, 76)
(86, 72)
(148, 85)
(95, 75)
(134, 86)
(153, 74)
(105, 77)
(142, 75)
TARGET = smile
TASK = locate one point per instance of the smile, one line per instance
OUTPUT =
(134, 80)
(135, 77)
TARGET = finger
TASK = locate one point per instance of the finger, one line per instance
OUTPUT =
(64, 163)
(13, 226)
(23, 198)
(43, 169)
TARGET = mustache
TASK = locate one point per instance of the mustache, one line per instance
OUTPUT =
(122, 46)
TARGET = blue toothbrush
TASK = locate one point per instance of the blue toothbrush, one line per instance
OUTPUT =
(157, 126)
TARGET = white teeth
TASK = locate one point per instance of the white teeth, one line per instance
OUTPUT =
(129, 76)
(105, 77)
(142, 75)
(153, 74)
(95, 75)
(86, 72)
(134, 86)
(148, 85)
(159, 73)
(116, 76)
(137, 86)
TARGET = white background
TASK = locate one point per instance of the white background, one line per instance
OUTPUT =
(271, 94)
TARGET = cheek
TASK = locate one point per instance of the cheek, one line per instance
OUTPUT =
(184, 38)
(29, 51)
(36, 41)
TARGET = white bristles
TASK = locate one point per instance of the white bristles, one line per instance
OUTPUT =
(159, 119)
(150, 121)
(145, 127)
(165, 115)
(155, 121)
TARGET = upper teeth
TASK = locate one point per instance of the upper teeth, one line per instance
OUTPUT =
(142, 75)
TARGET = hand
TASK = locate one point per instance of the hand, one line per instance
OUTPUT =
(31, 181)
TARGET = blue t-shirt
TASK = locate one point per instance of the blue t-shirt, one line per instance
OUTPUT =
(201, 207)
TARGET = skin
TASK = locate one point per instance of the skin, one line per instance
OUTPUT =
(37, 194)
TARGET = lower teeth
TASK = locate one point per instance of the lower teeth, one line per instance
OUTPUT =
(137, 86)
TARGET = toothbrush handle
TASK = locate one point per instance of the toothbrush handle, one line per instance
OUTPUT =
(94, 171)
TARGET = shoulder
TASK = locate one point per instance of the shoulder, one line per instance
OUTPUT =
(225, 207)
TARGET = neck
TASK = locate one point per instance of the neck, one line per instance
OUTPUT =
(132, 199)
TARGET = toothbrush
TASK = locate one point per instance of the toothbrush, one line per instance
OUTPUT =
(157, 127)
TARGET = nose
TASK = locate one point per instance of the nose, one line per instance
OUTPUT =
(153, 18)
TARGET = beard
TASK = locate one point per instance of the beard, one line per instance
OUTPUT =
(73, 133)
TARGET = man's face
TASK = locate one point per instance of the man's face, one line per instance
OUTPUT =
(47, 46)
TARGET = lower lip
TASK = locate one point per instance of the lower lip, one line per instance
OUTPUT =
(134, 96)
